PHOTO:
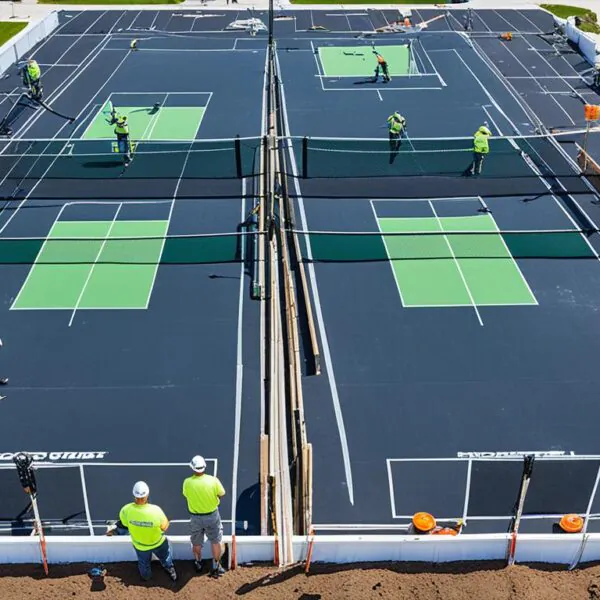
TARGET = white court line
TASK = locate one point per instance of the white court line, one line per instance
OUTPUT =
(91, 271)
(96, 111)
(391, 488)
(239, 373)
(522, 13)
(467, 494)
(320, 73)
(460, 271)
(71, 465)
(379, 94)
(86, 503)
(130, 26)
(153, 122)
(257, 51)
(532, 167)
(579, 78)
(537, 82)
(15, 212)
(159, 257)
(41, 251)
(117, 93)
(319, 311)
(116, 22)
(441, 79)
(154, 20)
(390, 262)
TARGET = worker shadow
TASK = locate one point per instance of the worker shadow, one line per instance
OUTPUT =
(270, 580)
(370, 80)
(127, 575)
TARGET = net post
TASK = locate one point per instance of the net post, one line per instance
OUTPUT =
(238, 157)
(305, 157)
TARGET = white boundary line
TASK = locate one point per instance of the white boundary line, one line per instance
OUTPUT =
(32, 269)
(159, 256)
(390, 262)
(391, 487)
(91, 271)
(467, 494)
(153, 122)
(319, 312)
(460, 271)
(94, 111)
(85, 500)
(72, 465)
(239, 373)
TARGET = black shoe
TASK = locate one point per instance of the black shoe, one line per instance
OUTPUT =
(172, 574)
(198, 566)
(4, 381)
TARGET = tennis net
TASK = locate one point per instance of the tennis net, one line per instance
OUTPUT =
(450, 244)
(509, 156)
(100, 159)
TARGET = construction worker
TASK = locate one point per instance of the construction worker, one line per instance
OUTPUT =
(203, 494)
(383, 66)
(596, 74)
(146, 524)
(122, 133)
(396, 128)
(32, 75)
(469, 20)
(481, 147)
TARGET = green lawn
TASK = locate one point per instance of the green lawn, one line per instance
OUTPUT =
(7, 30)
(108, 2)
(589, 19)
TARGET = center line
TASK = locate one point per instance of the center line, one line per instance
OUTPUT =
(94, 263)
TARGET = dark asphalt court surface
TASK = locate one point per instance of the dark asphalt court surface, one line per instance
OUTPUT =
(398, 384)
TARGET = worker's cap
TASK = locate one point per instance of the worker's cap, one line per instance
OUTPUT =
(484, 129)
(198, 464)
(141, 490)
(32, 61)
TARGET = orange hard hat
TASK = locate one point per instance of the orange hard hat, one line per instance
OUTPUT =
(571, 523)
(423, 521)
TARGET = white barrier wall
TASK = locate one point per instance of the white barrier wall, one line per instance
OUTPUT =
(585, 41)
(560, 549)
(18, 46)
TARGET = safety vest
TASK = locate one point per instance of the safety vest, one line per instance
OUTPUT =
(481, 142)
(121, 127)
(34, 71)
(143, 522)
(396, 123)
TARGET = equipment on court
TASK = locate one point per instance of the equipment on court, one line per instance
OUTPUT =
(51, 110)
(23, 463)
(518, 511)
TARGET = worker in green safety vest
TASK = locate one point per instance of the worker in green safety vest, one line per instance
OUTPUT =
(32, 78)
(481, 147)
(122, 133)
(396, 128)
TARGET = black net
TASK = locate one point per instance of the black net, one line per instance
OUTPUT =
(335, 246)
(102, 159)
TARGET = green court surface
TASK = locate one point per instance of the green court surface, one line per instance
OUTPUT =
(453, 270)
(360, 61)
(67, 275)
(168, 123)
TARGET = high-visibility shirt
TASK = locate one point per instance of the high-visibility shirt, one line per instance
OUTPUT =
(143, 522)
(481, 140)
(202, 493)
(121, 127)
(396, 123)
(34, 71)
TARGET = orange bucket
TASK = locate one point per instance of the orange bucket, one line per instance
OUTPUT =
(571, 523)
(423, 521)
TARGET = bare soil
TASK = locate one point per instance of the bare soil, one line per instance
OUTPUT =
(456, 581)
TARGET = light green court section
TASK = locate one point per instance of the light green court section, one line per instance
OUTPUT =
(168, 123)
(77, 273)
(360, 61)
(453, 270)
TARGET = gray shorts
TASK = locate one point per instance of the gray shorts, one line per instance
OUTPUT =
(209, 525)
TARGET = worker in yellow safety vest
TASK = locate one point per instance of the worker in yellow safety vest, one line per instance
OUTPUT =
(32, 78)
(122, 133)
(481, 147)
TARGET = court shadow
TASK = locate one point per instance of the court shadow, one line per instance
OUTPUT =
(271, 579)
(248, 511)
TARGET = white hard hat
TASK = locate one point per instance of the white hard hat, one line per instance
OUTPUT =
(198, 464)
(141, 490)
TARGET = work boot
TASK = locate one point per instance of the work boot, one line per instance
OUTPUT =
(217, 571)
(198, 566)
(172, 574)
(4, 381)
